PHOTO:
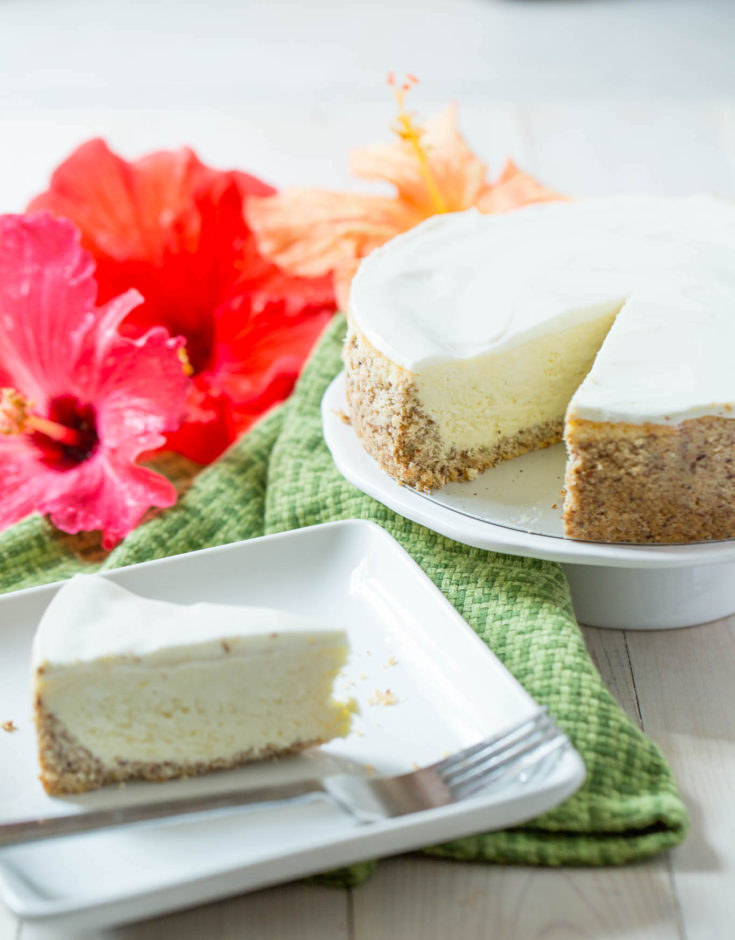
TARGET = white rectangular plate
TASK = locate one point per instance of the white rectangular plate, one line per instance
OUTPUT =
(449, 691)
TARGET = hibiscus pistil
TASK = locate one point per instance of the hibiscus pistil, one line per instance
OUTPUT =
(411, 133)
(65, 438)
(15, 418)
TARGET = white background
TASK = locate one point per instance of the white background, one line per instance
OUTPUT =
(286, 89)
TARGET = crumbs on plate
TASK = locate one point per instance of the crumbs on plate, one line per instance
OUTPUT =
(383, 698)
(8, 726)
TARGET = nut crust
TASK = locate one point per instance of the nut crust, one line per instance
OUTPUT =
(650, 483)
(392, 426)
(69, 767)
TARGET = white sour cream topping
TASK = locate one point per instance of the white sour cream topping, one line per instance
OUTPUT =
(464, 285)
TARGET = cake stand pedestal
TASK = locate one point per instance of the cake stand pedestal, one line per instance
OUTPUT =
(516, 508)
(651, 598)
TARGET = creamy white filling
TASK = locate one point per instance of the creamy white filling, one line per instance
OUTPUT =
(479, 401)
(460, 289)
(200, 711)
(142, 680)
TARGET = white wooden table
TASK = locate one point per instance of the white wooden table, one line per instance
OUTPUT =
(599, 97)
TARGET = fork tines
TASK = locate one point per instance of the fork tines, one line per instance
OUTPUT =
(525, 744)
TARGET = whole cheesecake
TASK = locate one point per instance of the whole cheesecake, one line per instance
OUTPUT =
(609, 322)
(129, 688)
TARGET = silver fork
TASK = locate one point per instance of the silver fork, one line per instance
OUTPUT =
(523, 751)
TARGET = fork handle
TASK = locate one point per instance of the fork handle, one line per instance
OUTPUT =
(34, 830)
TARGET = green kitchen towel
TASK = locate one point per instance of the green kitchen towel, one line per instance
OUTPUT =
(281, 476)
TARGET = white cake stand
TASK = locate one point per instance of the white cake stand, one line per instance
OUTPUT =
(516, 508)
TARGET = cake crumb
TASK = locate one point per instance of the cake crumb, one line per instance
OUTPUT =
(363, 675)
(383, 698)
(343, 417)
(8, 726)
(226, 647)
(391, 662)
(554, 506)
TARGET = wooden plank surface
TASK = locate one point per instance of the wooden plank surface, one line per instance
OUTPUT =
(432, 900)
(687, 695)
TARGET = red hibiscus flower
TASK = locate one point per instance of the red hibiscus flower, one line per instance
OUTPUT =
(79, 402)
(175, 230)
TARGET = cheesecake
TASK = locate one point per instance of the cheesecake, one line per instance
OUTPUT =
(131, 688)
(606, 322)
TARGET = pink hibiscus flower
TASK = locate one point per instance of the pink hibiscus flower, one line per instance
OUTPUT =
(79, 402)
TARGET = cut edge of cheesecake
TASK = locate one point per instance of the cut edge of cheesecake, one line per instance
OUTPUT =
(67, 767)
(386, 412)
(647, 483)
(650, 483)
(143, 710)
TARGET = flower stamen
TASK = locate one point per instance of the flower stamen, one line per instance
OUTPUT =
(186, 365)
(13, 412)
(16, 419)
(411, 133)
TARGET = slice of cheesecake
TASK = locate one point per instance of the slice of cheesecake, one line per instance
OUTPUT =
(130, 688)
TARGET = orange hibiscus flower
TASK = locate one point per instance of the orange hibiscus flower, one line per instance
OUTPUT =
(310, 232)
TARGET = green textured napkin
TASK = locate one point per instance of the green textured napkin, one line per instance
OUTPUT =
(280, 476)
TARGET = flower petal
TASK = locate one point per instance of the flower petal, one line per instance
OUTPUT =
(105, 493)
(260, 359)
(458, 173)
(141, 387)
(47, 294)
(312, 232)
(209, 427)
(514, 189)
(127, 210)
(24, 486)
